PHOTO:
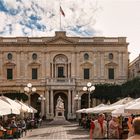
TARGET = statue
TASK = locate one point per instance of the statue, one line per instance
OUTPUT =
(60, 104)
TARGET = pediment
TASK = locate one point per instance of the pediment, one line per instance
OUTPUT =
(111, 64)
(10, 64)
(60, 40)
(87, 64)
(34, 64)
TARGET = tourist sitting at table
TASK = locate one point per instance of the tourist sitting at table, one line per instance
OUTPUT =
(15, 130)
(23, 126)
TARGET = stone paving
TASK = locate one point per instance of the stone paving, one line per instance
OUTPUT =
(65, 132)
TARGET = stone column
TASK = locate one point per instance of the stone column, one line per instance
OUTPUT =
(48, 65)
(52, 105)
(47, 104)
(95, 65)
(18, 66)
(73, 65)
(125, 65)
(43, 66)
(99, 65)
(102, 65)
(42, 105)
(79, 101)
(52, 70)
(69, 104)
(72, 103)
(1, 66)
(77, 71)
(26, 73)
(120, 64)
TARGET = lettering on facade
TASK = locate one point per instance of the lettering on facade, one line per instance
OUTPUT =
(111, 40)
(10, 40)
(86, 40)
(35, 40)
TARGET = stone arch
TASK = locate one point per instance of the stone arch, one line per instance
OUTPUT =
(84, 100)
(65, 99)
(35, 103)
(60, 62)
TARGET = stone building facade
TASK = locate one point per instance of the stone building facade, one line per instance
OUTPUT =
(134, 68)
(61, 66)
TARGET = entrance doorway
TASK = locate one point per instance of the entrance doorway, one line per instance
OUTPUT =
(84, 101)
(65, 101)
(35, 103)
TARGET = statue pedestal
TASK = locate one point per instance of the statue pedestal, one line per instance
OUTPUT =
(59, 114)
(59, 118)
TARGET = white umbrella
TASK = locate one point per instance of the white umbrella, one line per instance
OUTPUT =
(120, 111)
(33, 110)
(25, 107)
(123, 101)
(11, 102)
(6, 108)
(81, 110)
(106, 109)
(133, 109)
(92, 110)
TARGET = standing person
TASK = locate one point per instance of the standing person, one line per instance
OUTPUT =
(98, 128)
(130, 127)
(114, 128)
(136, 127)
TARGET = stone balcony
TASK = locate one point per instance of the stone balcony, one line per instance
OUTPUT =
(60, 81)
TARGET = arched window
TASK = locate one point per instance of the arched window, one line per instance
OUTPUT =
(110, 56)
(61, 66)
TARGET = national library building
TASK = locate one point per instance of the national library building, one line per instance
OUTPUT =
(60, 66)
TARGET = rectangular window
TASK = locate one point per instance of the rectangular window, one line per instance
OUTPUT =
(34, 73)
(86, 73)
(111, 73)
(9, 74)
(61, 72)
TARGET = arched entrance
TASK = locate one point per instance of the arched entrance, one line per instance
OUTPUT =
(84, 101)
(65, 99)
(35, 103)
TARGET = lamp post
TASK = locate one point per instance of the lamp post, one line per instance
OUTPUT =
(89, 88)
(41, 98)
(29, 89)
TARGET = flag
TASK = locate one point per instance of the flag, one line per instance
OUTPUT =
(62, 12)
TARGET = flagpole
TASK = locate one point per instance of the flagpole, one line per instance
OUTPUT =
(59, 15)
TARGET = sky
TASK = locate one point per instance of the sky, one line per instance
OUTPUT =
(109, 18)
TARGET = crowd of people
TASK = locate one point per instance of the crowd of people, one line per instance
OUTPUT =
(14, 127)
(103, 126)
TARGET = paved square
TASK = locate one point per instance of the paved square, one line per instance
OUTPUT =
(69, 132)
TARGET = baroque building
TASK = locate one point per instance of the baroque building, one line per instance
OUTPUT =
(134, 68)
(61, 66)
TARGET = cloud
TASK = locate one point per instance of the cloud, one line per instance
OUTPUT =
(33, 18)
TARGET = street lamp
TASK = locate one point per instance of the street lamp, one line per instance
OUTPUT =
(41, 98)
(29, 89)
(89, 88)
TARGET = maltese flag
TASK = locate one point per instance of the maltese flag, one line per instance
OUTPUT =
(62, 12)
